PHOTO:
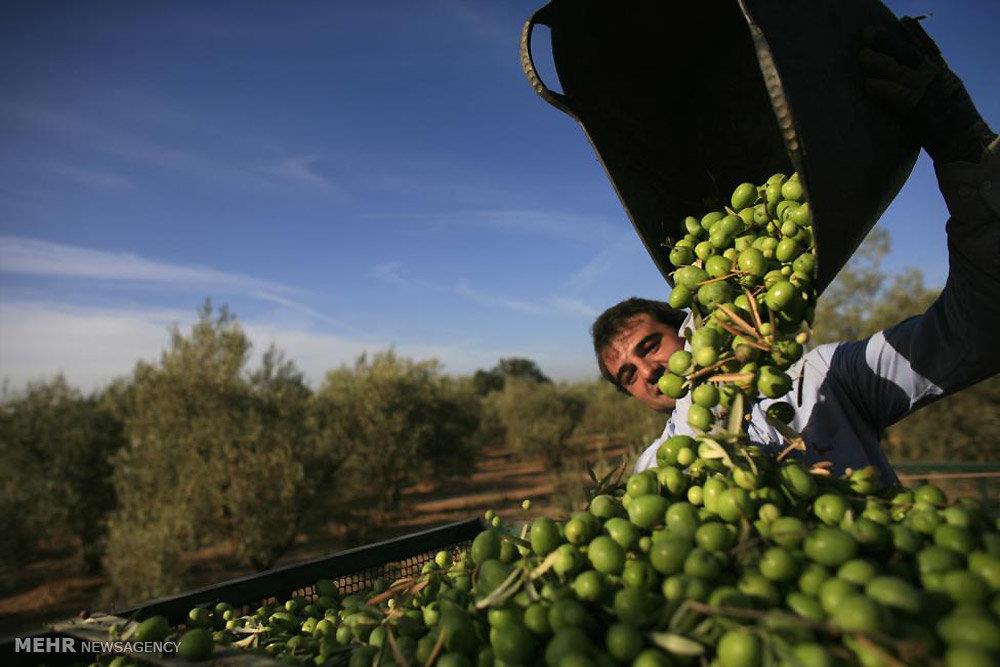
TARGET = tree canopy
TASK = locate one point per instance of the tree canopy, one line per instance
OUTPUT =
(507, 367)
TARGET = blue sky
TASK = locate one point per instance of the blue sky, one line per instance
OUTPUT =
(345, 178)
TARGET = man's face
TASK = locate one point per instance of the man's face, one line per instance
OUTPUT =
(637, 357)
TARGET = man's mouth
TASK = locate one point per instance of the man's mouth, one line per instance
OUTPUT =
(655, 380)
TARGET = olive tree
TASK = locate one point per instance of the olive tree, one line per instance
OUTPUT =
(399, 422)
(537, 418)
(614, 417)
(55, 445)
(493, 379)
(215, 452)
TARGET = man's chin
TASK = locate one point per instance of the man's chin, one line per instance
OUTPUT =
(662, 403)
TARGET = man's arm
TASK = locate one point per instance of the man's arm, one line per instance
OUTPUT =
(953, 344)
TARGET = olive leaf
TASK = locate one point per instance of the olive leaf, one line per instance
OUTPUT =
(683, 619)
(795, 440)
(753, 465)
(438, 647)
(736, 411)
(610, 481)
(248, 642)
(697, 317)
(504, 591)
(126, 632)
(767, 657)
(781, 649)
(712, 449)
(544, 566)
(676, 644)
(517, 541)
(533, 594)
(868, 472)
(394, 649)
(704, 630)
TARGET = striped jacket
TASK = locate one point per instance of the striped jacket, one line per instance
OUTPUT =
(850, 392)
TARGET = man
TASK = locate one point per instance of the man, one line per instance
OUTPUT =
(846, 394)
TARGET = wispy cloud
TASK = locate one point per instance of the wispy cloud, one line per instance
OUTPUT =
(33, 257)
(426, 177)
(463, 289)
(554, 224)
(484, 21)
(392, 273)
(91, 178)
(154, 109)
(29, 256)
(573, 307)
(552, 305)
(531, 222)
(33, 198)
(128, 146)
(302, 170)
(593, 271)
(603, 263)
(308, 311)
(246, 173)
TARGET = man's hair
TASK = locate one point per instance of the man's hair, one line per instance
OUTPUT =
(612, 321)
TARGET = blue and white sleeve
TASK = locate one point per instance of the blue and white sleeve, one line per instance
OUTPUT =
(954, 344)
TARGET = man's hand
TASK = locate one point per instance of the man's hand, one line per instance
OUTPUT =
(905, 72)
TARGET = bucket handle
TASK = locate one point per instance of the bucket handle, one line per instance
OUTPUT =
(558, 100)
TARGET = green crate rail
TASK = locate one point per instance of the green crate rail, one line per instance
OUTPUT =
(951, 470)
(351, 570)
(983, 477)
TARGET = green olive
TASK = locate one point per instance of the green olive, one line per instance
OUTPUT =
(744, 195)
(693, 225)
(680, 297)
(718, 266)
(681, 256)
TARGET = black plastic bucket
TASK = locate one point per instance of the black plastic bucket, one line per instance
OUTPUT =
(684, 101)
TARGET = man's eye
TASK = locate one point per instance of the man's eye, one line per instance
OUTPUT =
(650, 346)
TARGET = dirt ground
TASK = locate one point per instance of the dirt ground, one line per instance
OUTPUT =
(55, 587)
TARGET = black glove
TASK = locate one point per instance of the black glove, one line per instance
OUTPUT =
(904, 71)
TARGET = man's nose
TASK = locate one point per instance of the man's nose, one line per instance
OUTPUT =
(650, 370)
